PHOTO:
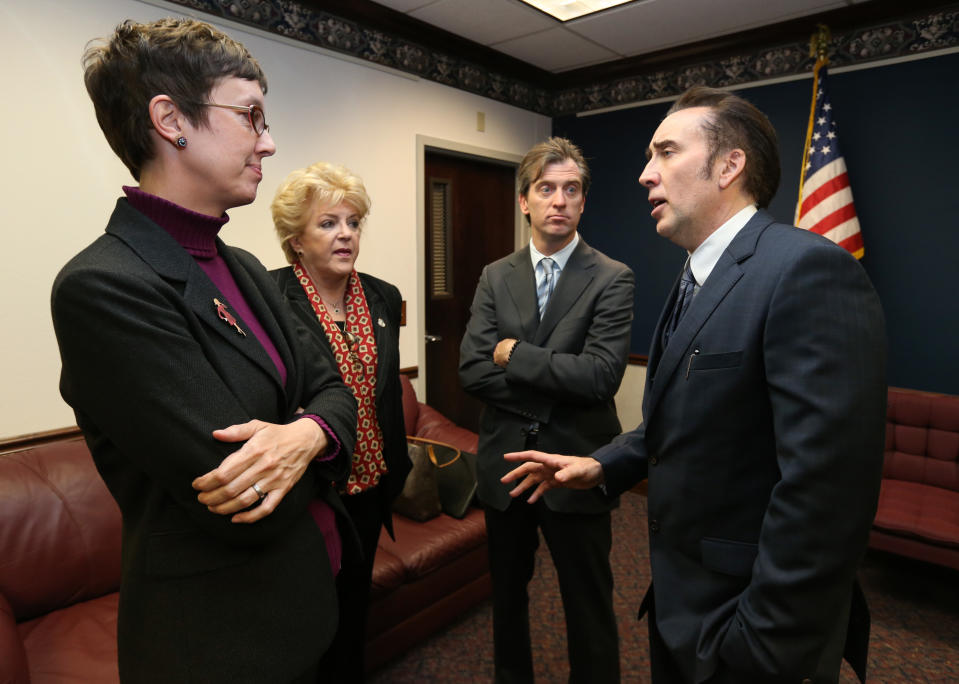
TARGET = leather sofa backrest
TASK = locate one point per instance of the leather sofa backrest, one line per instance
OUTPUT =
(60, 529)
(422, 420)
(411, 407)
(922, 438)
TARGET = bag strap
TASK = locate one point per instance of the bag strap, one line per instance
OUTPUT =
(429, 450)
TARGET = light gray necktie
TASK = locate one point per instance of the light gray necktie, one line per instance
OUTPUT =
(544, 287)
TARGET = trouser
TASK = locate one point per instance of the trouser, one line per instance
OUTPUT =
(579, 545)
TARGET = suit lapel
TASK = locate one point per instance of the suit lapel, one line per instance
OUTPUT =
(377, 314)
(572, 281)
(293, 293)
(265, 314)
(521, 284)
(724, 276)
(165, 256)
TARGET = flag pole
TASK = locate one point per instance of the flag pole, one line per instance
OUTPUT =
(818, 48)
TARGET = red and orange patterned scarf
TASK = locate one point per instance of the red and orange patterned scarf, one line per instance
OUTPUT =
(355, 350)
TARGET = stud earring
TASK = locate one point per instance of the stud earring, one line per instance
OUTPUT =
(181, 142)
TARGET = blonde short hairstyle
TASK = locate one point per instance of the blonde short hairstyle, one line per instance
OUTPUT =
(319, 185)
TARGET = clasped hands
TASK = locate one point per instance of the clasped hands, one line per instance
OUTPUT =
(547, 471)
(273, 457)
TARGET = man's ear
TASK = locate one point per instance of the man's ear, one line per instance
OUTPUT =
(733, 165)
(166, 118)
(523, 204)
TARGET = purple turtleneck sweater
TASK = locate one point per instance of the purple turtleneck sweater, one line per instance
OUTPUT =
(196, 233)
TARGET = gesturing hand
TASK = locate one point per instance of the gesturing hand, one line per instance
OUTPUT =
(546, 471)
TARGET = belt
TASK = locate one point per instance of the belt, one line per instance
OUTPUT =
(532, 435)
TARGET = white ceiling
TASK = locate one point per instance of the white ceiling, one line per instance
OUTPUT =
(625, 31)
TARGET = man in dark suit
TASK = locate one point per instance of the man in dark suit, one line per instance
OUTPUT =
(546, 348)
(763, 419)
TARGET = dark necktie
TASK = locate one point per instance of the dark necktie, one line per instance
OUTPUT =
(687, 286)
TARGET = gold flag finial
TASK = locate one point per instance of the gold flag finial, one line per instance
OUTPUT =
(819, 43)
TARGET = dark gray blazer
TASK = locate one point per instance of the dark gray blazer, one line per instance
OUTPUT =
(151, 371)
(763, 441)
(385, 304)
(563, 374)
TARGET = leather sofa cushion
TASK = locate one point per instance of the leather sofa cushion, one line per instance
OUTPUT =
(61, 529)
(422, 548)
(13, 659)
(388, 572)
(920, 511)
(81, 638)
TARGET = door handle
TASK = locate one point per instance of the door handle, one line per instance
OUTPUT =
(433, 338)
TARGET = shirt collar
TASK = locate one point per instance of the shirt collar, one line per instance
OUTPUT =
(560, 257)
(704, 258)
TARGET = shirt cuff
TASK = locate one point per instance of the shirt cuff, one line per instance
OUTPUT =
(333, 450)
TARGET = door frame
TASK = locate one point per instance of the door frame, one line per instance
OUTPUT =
(521, 232)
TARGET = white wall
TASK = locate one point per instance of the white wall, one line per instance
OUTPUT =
(629, 398)
(60, 180)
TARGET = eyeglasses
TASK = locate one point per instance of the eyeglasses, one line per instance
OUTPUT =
(255, 112)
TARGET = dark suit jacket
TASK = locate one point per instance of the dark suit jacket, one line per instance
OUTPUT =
(563, 374)
(385, 304)
(763, 442)
(150, 371)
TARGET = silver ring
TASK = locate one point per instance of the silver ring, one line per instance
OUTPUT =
(259, 492)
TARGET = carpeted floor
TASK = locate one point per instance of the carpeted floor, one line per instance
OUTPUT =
(915, 621)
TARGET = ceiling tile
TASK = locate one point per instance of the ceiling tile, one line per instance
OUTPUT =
(659, 24)
(556, 49)
(484, 21)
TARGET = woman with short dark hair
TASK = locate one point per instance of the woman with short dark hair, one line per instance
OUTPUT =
(218, 435)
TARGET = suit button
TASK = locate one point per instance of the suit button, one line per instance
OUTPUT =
(653, 460)
(654, 526)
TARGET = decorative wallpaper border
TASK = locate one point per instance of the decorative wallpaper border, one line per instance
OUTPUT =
(288, 18)
(896, 39)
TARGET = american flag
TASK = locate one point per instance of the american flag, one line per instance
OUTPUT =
(825, 199)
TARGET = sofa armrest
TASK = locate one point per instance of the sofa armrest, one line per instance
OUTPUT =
(13, 659)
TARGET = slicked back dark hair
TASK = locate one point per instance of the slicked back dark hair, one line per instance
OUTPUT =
(182, 58)
(735, 123)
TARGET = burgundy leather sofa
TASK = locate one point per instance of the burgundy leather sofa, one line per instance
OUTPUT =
(60, 563)
(435, 570)
(918, 513)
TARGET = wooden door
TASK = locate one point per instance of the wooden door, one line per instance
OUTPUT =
(470, 222)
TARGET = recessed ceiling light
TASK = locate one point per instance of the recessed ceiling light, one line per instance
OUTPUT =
(564, 10)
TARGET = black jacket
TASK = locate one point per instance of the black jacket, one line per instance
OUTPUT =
(385, 305)
(151, 371)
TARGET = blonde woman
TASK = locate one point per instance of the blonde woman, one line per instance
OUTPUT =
(318, 213)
